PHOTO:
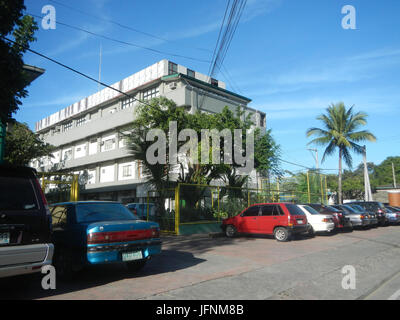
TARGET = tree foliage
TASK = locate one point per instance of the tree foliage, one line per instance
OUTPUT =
(23, 145)
(340, 132)
(12, 78)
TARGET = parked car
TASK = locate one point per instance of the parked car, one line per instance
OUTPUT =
(375, 207)
(100, 232)
(279, 219)
(358, 219)
(318, 222)
(392, 214)
(338, 217)
(25, 223)
(142, 210)
(374, 222)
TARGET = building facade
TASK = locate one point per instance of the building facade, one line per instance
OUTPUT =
(87, 137)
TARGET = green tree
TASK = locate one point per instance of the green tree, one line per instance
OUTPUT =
(23, 145)
(12, 78)
(339, 132)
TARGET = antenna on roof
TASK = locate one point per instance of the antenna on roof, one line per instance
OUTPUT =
(98, 84)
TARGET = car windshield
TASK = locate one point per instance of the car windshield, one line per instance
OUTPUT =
(357, 207)
(349, 209)
(311, 210)
(294, 210)
(332, 209)
(93, 212)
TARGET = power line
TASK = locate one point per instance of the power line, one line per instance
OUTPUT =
(120, 24)
(121, 41)
(228, 77)
(226, 32)
(76, 71)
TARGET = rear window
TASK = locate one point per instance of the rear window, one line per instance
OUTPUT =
(17, 194)
(93, 212)
(311, 210)
(294, 210)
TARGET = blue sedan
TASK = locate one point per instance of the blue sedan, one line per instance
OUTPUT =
(100, 232)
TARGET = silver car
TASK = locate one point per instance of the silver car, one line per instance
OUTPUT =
(357, 219)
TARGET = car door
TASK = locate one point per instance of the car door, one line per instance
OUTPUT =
(271, 217)
(249, 220)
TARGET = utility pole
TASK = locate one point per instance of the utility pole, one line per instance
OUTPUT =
(394, 176)
(367, 186)
(317, 167)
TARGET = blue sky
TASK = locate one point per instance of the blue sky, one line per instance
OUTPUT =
(291, 57)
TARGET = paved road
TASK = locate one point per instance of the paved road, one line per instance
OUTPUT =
(200, 267)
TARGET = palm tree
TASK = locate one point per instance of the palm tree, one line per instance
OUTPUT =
(339, 131)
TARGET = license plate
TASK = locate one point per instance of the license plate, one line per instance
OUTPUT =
(300, 221)
(129, 256)
(4, 238)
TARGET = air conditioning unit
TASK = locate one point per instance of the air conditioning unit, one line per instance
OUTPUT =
(172, 85)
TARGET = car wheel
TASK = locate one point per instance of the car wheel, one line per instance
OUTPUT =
(281, 234)
(63, 262)
(311, 232)
(230, 231)
(135, 266)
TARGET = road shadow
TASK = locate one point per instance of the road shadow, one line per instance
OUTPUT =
(29, 286)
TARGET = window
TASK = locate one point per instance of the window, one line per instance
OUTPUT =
(214, 82)
(127, 171)
(294, 210)
(172, 68)
(151, 93)
(191, 73)
(252, 211)
(262, 120)
(272, 210)
(59, 216)
(127, 103)
(108, 144)
(67, 154)
(17, 194)
(67, 126)
(80, 121)
(92, 212)
(311, 210)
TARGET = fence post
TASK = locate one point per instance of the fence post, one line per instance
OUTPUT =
(219, 213)
(308, 186)
(177, 207)
(326, 192)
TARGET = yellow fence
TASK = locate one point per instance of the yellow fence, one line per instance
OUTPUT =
(195, 204)
(49, 179)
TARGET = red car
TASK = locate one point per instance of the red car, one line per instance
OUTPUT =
(279, 219)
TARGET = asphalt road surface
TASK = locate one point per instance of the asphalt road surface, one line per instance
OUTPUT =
(363, 264)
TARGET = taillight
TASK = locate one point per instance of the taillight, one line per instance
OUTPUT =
(362, 216)
(42, 196)
(121, 236)
(326, 220)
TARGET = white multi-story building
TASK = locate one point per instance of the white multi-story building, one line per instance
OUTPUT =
(86, 132)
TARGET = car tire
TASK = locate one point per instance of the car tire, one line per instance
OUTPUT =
(63, 263)
(311, 232)
(230, 231)
(135, 266)
(281, 234)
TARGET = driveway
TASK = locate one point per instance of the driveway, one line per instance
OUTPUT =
(256, 267)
